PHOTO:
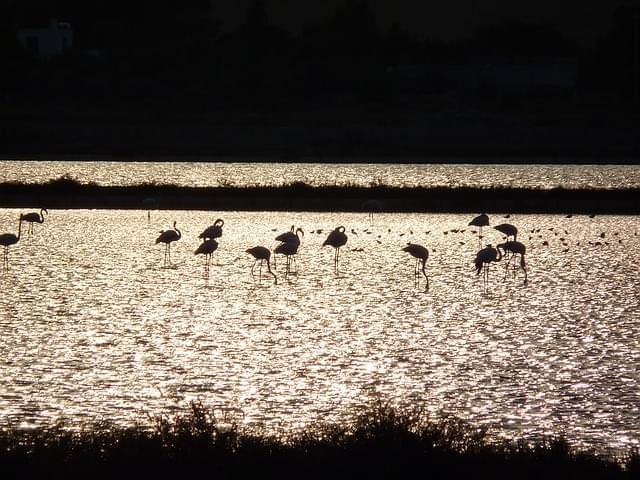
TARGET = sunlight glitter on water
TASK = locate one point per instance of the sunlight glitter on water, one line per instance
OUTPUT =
(94, 327)
(213, 174)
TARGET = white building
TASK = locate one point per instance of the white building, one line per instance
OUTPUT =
(48, 42)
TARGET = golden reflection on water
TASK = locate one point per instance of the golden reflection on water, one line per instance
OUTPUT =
(212, 174)
(93, 326)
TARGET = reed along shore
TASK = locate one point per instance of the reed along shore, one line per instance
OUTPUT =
(379, 441)
(68, 193)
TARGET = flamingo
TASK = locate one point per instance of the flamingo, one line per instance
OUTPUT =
(206, 248)
(484, 258)
(261, 253)
(8, 239)
(34, 217)
(372, 205)
(337, 238)
(480, 221)
(514, 248)
(421, 254)
(508, 230)
(213, 231)
(289, 237)
(288, 249)
(166, 237)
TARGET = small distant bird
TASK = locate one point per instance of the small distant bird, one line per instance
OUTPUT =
(34, 217)
(213, 231)
(206, 248)
(167, 237)
(337, 238)
(569, 215)
(8, 239)
(263, 254)
(421, 254)
(592, 215)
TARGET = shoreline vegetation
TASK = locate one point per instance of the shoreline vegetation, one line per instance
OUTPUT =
(68, 193)
(379, 441)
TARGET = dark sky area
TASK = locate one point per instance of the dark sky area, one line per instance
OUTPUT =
(584, 21)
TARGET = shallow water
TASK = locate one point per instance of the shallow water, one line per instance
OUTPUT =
(202, 174)
(94, 326)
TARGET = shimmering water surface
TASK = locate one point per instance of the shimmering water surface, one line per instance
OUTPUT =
(203, 174)
(93, 327)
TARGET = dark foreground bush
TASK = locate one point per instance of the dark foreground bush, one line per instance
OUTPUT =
(381, 442)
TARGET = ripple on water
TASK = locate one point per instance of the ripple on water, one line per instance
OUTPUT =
(93, 327)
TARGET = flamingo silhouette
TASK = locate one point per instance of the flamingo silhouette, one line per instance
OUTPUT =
(213, 231)
(166, 237)
(289, 237)
(34, 217)
(421, 254)
(8, 239)
(372, 205)
(508, 230)
(483, 259)
(206, 248)
(337, 238)
(289, 250)
(480, 221)
(261, 253)
(514, 248)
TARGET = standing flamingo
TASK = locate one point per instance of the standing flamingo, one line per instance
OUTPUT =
(508, 230)
(261, 253)
(372, 205)
(337, 238)
(8, 239)
(483, 259)
(34, 217)
(213, 231)
(289, 237)
(421, 254)
(166, 237)
(289, 250)
(206, 248)
(514, 248)
(480, 221)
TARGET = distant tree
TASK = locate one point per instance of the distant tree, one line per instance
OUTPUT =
(516, 38)
(613, 66)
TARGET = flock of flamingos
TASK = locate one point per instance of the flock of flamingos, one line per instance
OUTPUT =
(510, 250)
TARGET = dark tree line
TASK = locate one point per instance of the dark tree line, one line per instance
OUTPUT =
(176, 52)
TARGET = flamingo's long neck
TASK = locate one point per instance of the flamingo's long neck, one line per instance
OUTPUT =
(178, 231)
(41, 219)
(19, 228)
